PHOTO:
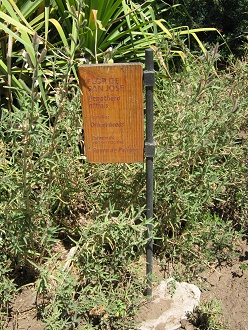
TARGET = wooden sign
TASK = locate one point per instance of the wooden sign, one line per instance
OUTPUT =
(113, 119)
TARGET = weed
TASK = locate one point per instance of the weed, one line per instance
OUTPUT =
(103, 286)
(200, 185)
(243, 267)
(208, 316)
(172, 287)
(7, 289)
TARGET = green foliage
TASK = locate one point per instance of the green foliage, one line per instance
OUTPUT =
(200, 162)
(229, 17)
(45, 191)
(78, 31)
(104, 287)
(208, 316)
(50, 194)
(36, 153)
(7, 288)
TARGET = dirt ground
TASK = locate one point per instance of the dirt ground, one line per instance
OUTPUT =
(227, 283)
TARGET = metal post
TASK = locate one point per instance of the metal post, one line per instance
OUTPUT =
(149, 82)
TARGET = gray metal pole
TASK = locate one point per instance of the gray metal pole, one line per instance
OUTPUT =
(149, 82)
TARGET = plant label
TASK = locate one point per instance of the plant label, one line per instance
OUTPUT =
(113, 116)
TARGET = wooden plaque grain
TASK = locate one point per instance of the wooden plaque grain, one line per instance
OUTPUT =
(113, 117)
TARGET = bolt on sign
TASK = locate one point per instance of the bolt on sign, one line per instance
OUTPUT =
(113, 117)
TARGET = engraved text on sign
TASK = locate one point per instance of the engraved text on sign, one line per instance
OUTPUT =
(112, 103)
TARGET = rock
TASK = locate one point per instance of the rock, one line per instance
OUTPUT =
(189, 327)
(183, 323)
(166, 311)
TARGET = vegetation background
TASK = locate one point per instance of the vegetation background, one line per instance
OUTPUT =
(77, 231)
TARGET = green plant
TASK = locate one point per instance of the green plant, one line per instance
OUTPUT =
(243, 267)
(208, 316)
(49, 193)
(104, 285)
(200, 182)
(229, 17)
(38, 179)
(171, 286)
(85, 31)
(7, 289)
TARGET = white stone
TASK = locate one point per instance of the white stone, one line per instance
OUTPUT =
(164, 312)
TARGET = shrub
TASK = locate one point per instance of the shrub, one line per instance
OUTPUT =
(51, 194)
(200, 167)
(104, 286)
(229, 17)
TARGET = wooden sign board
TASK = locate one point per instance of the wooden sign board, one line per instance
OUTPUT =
(113, 116)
